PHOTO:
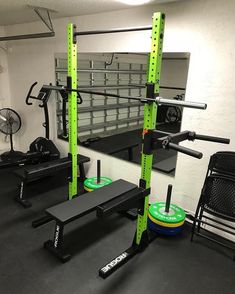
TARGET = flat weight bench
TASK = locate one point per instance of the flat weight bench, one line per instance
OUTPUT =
(36, 172)
(117, 196)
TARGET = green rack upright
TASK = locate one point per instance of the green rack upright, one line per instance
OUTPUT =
(150, 111)
(72, 109)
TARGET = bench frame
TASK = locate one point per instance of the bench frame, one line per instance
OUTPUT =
(132, 198)
(22, 197)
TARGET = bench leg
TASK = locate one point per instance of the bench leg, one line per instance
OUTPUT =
(130, 154)
(117, 262)
(132, 213)
(21, 197)
(41, 221)
(55, 246)
(125, 256)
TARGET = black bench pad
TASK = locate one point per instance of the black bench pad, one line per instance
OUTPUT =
(69, 210)
(47, 168)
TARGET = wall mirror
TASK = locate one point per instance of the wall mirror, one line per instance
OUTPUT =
(114, 126)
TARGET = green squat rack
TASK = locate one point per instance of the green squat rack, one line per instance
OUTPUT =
(120, 195)
(150, 112)
(72, 109)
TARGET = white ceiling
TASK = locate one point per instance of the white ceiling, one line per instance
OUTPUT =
(18, 11)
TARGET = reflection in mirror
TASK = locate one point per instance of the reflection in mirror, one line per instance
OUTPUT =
(113, 125)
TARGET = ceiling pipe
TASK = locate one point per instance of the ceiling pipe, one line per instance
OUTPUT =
(28, 36)
(46, 20)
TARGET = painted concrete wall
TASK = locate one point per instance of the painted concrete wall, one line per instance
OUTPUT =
(5, 97)
(202, 27)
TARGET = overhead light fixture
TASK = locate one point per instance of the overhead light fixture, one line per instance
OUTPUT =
(134, 2)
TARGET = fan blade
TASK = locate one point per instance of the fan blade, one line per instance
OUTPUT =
(3, 118)
(10, 121)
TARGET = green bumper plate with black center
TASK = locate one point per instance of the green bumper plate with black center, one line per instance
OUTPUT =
(175, 214)
(91, 183)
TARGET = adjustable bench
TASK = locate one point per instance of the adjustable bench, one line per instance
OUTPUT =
(36, 172)
(114, 197)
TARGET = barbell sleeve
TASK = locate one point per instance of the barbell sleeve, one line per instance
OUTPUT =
(185, 150)
(173, 102)
(212, 139)
(56, 88)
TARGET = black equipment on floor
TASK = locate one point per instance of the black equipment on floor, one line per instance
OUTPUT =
(43, 97)
(46, 148)
(42, 145)
(10, 124)
(33, 173)
(117, 196)
(41, 149)
(216, 206)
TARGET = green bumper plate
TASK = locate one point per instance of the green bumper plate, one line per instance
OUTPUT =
(91, 183)
(175, 214)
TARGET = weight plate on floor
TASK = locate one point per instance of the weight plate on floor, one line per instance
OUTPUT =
(91, 183)
(175, 214)
(164, 224)
(163, 230)
(87, 189)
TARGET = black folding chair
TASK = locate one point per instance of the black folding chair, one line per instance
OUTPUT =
(216, 206)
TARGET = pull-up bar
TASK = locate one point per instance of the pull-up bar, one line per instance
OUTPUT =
(112, 31)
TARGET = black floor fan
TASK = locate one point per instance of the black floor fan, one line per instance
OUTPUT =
(10, 123)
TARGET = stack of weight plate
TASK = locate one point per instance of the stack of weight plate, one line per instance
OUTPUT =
(91, 184)
(167, 223)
